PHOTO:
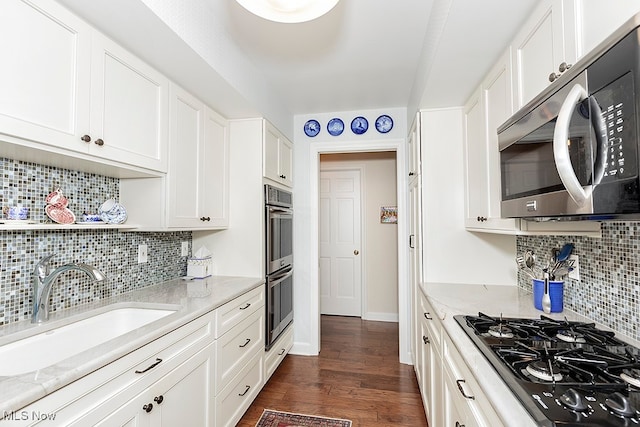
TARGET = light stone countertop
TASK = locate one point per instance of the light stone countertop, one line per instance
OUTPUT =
(192, 299)
(449, 300)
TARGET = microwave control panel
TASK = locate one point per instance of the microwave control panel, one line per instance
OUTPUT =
(618, 112)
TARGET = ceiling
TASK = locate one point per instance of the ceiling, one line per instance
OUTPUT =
(375, 54)
(363, 54)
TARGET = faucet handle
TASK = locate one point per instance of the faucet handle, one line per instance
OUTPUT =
(43, 268)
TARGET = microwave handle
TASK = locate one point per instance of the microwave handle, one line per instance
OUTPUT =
(561, 149)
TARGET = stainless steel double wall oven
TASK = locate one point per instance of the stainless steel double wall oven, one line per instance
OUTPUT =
(279, 261)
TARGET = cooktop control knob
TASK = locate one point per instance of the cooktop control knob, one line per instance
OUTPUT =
(620, 404)
(573, 400)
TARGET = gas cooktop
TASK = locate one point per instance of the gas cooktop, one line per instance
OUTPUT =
(565, 373)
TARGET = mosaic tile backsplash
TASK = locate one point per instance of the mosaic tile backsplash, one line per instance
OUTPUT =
(111, 251)
(609, 288)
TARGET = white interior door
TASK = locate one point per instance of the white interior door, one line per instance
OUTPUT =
(340, 233)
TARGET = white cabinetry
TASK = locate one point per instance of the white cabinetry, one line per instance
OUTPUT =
(485, 111)
(545, 42)
(414, 150)
(277, 156)
(194, 194)
(451, 395)
(199, 164)
(278, 352)
(71, 90)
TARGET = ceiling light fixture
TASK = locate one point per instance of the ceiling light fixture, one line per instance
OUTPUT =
(288, 11)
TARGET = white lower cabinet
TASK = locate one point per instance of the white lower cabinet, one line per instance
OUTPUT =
(450, 393)
(276, 354)
(190, 376)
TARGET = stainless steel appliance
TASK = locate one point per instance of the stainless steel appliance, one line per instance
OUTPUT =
(567, 374)
(572, 152)
(279, 261)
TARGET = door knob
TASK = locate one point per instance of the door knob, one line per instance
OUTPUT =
(356, 252)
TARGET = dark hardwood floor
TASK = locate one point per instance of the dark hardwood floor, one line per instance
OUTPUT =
(357, 376)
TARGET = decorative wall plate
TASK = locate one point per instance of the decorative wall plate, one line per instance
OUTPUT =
(335, 126)
(384, 123)
(312, 128)
(359, 125)
(60, 215)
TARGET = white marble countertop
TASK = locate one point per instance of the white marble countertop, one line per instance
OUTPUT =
(192, 299)
(449, 300)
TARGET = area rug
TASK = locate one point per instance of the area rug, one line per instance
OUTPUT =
(272, 418)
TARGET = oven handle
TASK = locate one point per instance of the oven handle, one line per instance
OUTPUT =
(285, 273)
(561, 148)
(283, 211)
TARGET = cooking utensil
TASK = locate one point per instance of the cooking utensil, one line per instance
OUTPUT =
(565, 252)
(523, 266)
(546, 298)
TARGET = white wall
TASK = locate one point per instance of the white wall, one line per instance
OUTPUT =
(452, 254)
(601, 18)
(380, 241)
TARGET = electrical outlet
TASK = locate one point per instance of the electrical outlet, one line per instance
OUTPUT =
(573, 262)
(142, 254)
(185, 249)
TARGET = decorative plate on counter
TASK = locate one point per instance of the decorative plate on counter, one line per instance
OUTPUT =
(335, 126)
(312, 128)
(359, 125)
(384, 123)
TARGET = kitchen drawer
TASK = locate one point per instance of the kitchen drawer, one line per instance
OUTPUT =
(468, 389)
(78, 398)
(234, 400)
(237, 346)
(238, 309)
(278, 352)
(433, 322)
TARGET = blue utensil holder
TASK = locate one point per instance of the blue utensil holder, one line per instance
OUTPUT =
(556, 293)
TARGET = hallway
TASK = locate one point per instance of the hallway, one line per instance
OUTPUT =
(357, 376)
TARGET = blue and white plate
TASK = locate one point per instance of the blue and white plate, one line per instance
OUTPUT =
(335, 126)
(312, 128)
(359, 125)
(384, 123)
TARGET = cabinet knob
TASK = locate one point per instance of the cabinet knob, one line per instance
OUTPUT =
(148, 407)
(425, 339)
(283, 176)
(411, 173)
(564, 67)
(158, 399)
(481, 218)
(205, 218)
(553, 77)
(458, 424)
(99, 142)
(85, 138)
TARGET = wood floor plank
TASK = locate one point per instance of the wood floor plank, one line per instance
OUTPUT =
(356, 376)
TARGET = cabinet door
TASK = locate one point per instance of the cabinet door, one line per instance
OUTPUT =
(214, 184)
(132, 414)
(546, 40)
(129, 110)
(413, 141)
(44, 82)
(285, 161)
(185, 166)
(271, 155)
(476, 169)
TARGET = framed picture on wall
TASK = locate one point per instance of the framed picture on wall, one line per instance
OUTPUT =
(389, 214)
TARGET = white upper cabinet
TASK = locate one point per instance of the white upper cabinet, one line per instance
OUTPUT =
(199, 167)
(70, 88)
(129, 107)
(601, 18)
(414, 150)
(545, 46)
(277, 156)
(44, 80)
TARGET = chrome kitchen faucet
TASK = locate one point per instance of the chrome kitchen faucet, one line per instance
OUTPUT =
(43, 282)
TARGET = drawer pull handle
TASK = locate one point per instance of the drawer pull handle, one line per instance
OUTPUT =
(466, 396)
(246, 390)
(425, 339)
(282, 352)
(158, 399)
(153, 365)
(148, 407)
(458, 424)
(426, 316)
(246, 343)
(245, 306)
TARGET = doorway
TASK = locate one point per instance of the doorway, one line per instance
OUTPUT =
(358, 249)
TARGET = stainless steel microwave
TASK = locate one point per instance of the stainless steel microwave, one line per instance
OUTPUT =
(572, 152)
